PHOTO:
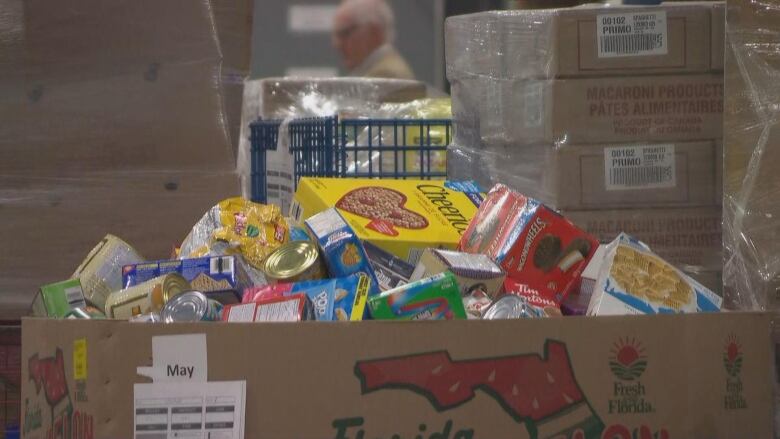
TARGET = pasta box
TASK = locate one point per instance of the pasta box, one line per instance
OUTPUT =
(402, 217)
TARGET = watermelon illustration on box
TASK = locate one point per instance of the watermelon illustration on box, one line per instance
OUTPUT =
(539, 392)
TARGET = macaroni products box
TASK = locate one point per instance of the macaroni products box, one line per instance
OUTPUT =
(434, 298)
(58, 299)
(472, 271)
(342, 250)
(531, 242)
(606, 175)
(619, 377)
(221, 278)
(402, 217)
(633, 280)
(390, 271)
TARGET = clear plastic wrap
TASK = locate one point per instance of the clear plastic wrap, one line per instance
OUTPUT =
(752, 186)
(118, 117)
(285, 99)
(613, 129)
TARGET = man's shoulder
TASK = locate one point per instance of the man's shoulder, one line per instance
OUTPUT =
(391, 65)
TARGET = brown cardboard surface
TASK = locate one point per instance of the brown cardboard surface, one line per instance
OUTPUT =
(696, 371)
(682, 236)
(688, 43)
(718, 39)
(50, 224)
(582, 182)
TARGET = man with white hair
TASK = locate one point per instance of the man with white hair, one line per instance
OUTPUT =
(363, 34)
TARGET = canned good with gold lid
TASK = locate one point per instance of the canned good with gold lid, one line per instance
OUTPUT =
(294, 262)
(145, 297)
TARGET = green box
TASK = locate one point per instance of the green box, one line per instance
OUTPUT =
(433, 298)
(58, 299)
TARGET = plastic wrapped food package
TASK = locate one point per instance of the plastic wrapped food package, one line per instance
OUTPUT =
(137, 141)
(616, 130)
(752, 186)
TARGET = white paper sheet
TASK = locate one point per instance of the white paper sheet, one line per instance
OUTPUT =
(178, 358)
(213, 410)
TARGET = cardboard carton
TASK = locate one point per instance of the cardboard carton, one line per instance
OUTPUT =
(682, 236)
(587, 377)
(682, 174)
(718, 34)
(402, 217)
(576, 42)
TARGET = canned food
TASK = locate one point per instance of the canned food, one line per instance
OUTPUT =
(145, 297)
(152, 317)
(191, 306)
(510, 306)
(294, 262)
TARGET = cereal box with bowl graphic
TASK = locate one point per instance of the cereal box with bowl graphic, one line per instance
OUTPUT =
(402, 217)
(531, 242)
(633, 280)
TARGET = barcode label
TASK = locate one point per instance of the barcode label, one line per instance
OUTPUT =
(75, 297)
(634, 34)
(639, 167)
(414, 256)
(284, 311)
(296, 211)
(221, 264)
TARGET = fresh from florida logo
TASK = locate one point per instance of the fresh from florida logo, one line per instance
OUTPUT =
(732, 362)
(539, 392)
(627, 361)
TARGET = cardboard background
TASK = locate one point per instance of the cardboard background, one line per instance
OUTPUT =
(298, 372)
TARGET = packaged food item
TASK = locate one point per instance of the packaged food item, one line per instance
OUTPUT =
(390, 270)
(221, 278)
(633, 280)
(576, 304)
(511, 306)
(237, 225)
(239, 312)
(101, 271)
(297, 233)
(476, 302)
(591, 272)
(190, 306)
(472, 271)
(58, 299)
(145, 297)
(294, 262)
(434, 298)
(152, 317)
(402, 217)
(531, 242)
(333, 299)
(293, 308)
(518, 288)
(87, 312)
(341, 249)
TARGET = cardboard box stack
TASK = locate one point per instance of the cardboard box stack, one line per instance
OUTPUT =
(613, 115)
(117, 117)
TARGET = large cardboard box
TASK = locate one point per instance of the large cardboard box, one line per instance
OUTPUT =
(611, 109)
(693, 376)
(682, 236)
(591, 41)
(674, 174)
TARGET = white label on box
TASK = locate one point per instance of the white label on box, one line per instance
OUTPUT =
(639, 167)
(311, 18)
(633, 34)
(189, 410)
(242, 313)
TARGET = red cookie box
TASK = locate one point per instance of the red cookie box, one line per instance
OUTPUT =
(536, 246)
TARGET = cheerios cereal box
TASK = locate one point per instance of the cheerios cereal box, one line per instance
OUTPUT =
(402, 217)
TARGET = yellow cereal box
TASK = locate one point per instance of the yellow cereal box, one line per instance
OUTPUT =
(402, 217)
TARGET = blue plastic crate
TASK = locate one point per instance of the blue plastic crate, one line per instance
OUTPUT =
(354, 148)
